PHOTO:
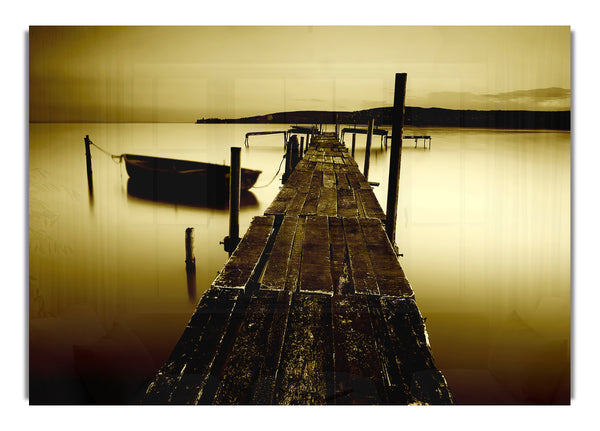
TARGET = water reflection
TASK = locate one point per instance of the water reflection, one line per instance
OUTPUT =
(202, 198)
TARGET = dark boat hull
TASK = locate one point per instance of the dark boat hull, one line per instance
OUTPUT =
(173, 173)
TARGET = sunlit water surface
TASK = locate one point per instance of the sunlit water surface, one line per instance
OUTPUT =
(483, 224)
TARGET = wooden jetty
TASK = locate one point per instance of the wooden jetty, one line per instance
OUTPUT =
(312, 307)
(416, 138)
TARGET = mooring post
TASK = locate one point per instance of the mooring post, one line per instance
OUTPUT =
(395, 157)
(301, 154)
(368, 150)
(233, 239)
(353, 143)
(88, 162)
(337, 126)
(288, 160)
(295, 152)
(190, 260)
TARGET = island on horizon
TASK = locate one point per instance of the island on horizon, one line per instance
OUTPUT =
(418, 117)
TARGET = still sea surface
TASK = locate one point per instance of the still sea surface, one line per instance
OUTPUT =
(483, 226)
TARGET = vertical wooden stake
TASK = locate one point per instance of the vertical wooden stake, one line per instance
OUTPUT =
(337, 126)
(368, 150)
(395, 157)
(295, 151)
(353, 143)
(234, 200)
(88, 162)
(302, 146)
(190, 260)
(288, 161)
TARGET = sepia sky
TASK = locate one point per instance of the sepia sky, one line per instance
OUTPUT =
(166, 74)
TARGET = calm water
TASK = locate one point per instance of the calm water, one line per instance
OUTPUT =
(483, 223)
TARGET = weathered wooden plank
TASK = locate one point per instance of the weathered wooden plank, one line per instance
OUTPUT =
(328, 167)
(202, 343)
(281, 201)
(342, 181)
(359, 205)
(353, 180)
(346, 203)
(340, 265)
(390, 276)
(243, 262)
(397, 389)
(214, 307)
(293, 270)
(327, 205)
(297, 203)
(314, 192)
(267, 374)
(315, 274)
(410, 345)
(338, 160)
(305, 373)
(363, 278)
(357, 378)
(237, 377)
(298, 178)
(275, 272)
(372, 208)
(329, 180)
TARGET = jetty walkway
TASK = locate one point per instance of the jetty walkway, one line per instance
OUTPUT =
(312, 307)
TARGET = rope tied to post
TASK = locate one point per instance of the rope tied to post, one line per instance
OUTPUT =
(116, 158)
(274, 176)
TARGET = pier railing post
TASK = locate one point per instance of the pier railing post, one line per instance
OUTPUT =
(234, 201)
(301, 153)
(295, 152)
(395, 157)
(88, 162)
(368, 150)
(353, 143)
(190, 263)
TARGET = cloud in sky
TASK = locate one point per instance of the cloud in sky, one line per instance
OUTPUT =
(539, 99)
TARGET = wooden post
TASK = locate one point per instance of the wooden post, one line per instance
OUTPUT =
(190, 260)
(302, 146)
(337, 126)
(395, 157)
(295, 151)
(88, 162)
(368, 150)
(190, 263)
(288, 161)
(233, 239)
(353, 143)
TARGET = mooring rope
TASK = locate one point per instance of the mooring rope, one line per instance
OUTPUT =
(114, 157)
(275, 176)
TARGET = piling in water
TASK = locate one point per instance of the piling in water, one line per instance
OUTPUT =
(395, 157)
(88, 162)
(368, 149)
(230, 242)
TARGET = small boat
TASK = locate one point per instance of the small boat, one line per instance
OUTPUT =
(183, 173)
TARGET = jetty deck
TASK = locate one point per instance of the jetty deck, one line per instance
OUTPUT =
(312, 307)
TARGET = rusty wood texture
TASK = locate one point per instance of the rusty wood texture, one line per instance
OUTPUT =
(315, 275)
(410, 345)
(239, 372)
(244, 260)
(357, 378)
(306, 369)
(370, 204)
(293, 270)
(346, 203)
(340, 264)
(363, 277)
(388, 272)
(281, 201)
(276, 269)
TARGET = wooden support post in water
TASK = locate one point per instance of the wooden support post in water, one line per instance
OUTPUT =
(190, 263)
(301, 154)
(88, 162)
(295, 151)
(337, 126)
(230, 242)
(368, 150)
(288, 161)
(395, 157)
(353, 143)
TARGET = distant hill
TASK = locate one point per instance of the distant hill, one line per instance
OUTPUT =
(420, 117)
